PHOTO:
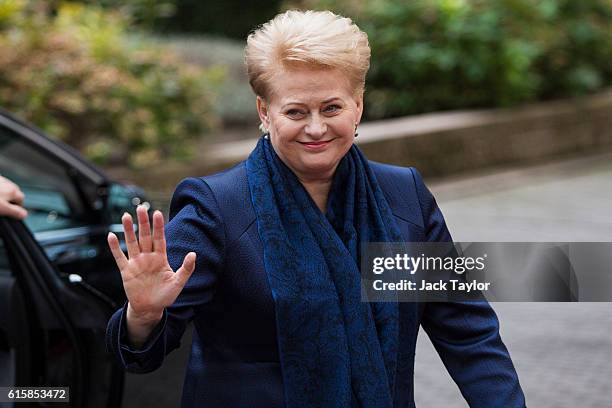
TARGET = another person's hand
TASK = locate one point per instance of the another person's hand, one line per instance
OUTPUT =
(11, 200)
(149, 282)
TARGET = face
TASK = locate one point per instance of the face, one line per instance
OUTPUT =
(311, 117)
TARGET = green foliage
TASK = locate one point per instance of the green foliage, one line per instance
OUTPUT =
(430, 55)
(235, 102)
(77, 74)
(229, 18)
(145, 13)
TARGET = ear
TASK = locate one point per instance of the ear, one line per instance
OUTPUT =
(359, 103)
(262, 111)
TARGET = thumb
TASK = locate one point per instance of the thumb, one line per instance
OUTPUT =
(185, 271)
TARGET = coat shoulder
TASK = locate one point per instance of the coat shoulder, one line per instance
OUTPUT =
(231, 190)
(400, 187)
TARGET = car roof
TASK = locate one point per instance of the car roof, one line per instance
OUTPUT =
(59, 150)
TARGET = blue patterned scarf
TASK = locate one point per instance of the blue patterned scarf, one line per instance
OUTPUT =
(335, 350)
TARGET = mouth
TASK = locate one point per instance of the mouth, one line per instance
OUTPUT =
(316, 145)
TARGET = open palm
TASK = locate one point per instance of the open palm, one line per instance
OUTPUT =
(149, 282)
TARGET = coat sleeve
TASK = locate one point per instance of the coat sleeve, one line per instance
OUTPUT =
(195, 225)
(466, 334)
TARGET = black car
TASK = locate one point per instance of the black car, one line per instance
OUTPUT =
(58, 280)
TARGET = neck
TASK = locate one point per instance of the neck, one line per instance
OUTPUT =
(318, 190)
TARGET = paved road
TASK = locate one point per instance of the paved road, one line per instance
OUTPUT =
(561, 351)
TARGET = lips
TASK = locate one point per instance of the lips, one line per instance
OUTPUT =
(316, 145)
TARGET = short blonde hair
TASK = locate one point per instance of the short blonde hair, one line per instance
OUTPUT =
(317, 39)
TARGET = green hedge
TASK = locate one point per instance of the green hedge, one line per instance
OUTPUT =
(431, 55)
(76, 73)
(227, 18)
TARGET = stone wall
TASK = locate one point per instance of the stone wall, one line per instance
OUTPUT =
(441, 144)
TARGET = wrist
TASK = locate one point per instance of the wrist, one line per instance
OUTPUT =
(140, 325)
(144, 318)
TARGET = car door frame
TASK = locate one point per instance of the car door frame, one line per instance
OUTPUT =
(59, 244)
(52, 302)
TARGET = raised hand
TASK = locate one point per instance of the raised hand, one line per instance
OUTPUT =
(149, 282)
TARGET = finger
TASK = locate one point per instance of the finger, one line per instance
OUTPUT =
(9, 191)
(113, 243)
(13, 211)
(18, 197)
(144, 229)
(185, 271)
(130, 238)
(159, 239)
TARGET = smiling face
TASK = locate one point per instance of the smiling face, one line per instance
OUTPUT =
(311, 116)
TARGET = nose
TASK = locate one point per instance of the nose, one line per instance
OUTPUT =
(316, 127)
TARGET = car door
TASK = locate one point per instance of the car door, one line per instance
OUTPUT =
(52, 325)
(71, 207)
(71, 204)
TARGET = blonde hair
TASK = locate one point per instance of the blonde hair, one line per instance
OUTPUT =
(317, 39)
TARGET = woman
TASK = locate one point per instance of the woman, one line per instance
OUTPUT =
(266, 254)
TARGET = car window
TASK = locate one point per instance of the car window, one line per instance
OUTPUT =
(52, 199)
(121, 200)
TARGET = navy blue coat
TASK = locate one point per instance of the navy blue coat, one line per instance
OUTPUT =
(234, 358)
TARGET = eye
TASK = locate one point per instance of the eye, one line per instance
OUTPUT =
(294, 113)
(332, 108)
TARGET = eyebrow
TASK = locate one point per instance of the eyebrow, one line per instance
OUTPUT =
(324, 102)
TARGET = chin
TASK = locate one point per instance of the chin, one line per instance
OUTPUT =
(316, 168)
